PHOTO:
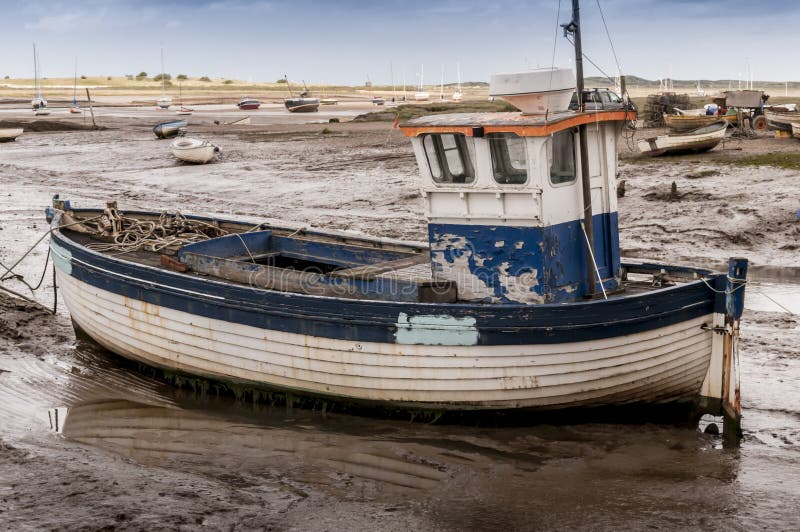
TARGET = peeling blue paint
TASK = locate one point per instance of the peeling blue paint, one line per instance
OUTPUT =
(525, 264)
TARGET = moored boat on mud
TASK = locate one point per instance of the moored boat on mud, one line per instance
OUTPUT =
(192, 150)
(685, 123)
(10, 134)
(248, 104)
(781, 120)
(696, 141)
(519, 301)
(172, 128)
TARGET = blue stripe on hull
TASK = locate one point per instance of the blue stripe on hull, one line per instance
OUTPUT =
(371, 321)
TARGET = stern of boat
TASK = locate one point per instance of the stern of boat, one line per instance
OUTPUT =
(720, 394)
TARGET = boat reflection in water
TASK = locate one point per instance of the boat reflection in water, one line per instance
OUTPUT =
(157, 435)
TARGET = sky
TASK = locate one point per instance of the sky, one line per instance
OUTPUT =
(350, 41)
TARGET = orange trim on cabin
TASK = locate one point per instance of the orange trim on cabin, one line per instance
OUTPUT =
(540, 130)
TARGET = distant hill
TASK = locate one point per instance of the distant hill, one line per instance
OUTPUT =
(691, 84)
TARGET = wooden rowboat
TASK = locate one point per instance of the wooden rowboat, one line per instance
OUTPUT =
(781, 120)
(10, 134)
(699, 140)
(686, 123)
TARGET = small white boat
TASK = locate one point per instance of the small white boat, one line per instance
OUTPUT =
(329, 101)
(696, 141)
(535, 91)
(184, 111)
(42, 111)
(10, 134)
(192, 150)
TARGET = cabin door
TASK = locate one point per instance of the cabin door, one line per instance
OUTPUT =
(603, 205)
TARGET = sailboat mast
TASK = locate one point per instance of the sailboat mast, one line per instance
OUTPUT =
(394, 87)
(441, 85)
(75, 84)
(163, 85)
(458, 75)
(37, 92)
(575, 27)
(404, 83)
(421, 74)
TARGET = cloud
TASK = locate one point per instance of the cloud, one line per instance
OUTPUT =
(62, 22)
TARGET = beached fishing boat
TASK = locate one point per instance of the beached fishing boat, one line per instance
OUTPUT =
(781, 120)
(172, 128)
(697, 141)
(686, 123)
(248, 104)
(192, 150)
(519, 301)
(10, 134)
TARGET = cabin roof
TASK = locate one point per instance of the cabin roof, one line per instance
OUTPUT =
(470, 124)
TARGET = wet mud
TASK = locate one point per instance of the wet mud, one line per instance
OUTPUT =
(131, 452)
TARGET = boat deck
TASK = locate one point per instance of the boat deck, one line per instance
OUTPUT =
(638, 279)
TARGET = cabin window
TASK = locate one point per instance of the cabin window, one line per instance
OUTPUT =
(448, 158)
(509, 160)
(562, 158)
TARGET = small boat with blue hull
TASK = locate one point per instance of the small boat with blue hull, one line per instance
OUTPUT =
(519, 300)
(171, 128)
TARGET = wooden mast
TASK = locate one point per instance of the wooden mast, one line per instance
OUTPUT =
(574, 27)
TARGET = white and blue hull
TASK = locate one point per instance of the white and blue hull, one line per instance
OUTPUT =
(461, 356)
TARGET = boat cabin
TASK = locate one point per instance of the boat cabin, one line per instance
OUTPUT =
(504, 202)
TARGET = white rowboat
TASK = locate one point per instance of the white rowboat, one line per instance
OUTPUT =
(192, 150)
(10, 134)
(699, 140)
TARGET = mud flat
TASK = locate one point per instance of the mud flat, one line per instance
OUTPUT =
(130, 452)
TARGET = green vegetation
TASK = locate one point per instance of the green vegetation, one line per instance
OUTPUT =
(326, 131)
(182, 77)
(702, 173)
(159, 77)
(141, 75)
(282, 80)
(228, 82)
(205, 78)
(787, 160)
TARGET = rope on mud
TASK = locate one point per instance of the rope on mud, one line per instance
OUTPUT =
(781, 306)
(10, 274)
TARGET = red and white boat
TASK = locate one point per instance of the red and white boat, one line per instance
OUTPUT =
(248, 104)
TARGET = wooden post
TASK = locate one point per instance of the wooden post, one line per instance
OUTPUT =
(734, 306)
(91, 109)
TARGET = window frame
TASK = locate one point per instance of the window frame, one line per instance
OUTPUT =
(552, 159)
(464, 154)
(505, 156)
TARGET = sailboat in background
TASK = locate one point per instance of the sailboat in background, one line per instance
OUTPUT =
(458, 96)
(39, 103)
(441, 85)
(421, 95)
(75, 109)
(182, 111)
(393, 102)
(165, 101)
